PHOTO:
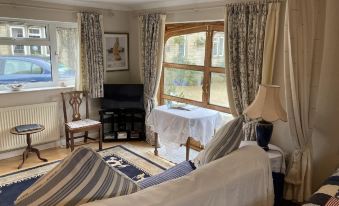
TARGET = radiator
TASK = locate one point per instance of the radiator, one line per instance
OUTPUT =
(45, 114)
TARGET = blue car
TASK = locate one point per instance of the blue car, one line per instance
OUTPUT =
(21, 69)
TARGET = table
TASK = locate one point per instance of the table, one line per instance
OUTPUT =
(182, 126)
(277, 159)
(29, 147)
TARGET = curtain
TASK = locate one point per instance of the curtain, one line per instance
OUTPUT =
(245, 34)
(91, 74)
(301, 71)
(270, 43)
(68, 48)
(152, 33)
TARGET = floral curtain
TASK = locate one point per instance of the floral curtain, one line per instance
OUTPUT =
(245, 34)
(91, 74)
(152, 30)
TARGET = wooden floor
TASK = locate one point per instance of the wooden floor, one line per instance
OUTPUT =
(11, 164)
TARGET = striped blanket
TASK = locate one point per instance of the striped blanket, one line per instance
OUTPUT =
(328, 194)
(83, 176)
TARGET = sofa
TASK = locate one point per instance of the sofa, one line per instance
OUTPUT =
(242, 178)
(221, 174)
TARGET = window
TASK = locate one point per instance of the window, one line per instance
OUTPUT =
(37, 53)
(194, 65)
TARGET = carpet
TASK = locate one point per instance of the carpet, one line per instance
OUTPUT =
(130, 163)
(175, 155)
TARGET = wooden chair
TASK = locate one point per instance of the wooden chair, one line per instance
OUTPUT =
(78, 125)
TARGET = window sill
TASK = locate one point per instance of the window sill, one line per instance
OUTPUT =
(35, 90)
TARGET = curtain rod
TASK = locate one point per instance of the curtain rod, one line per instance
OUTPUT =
(196, 9)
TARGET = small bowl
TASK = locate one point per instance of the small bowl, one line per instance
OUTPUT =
(15, 87)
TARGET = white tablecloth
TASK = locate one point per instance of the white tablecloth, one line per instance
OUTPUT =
(175, 126)
(275, 154)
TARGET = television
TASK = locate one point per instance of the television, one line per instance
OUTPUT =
(120, 96)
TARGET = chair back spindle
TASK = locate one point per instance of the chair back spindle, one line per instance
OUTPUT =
(75, 101)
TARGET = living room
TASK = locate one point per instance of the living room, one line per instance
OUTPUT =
(185, 73)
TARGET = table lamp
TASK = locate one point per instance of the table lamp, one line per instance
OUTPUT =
(267, 108)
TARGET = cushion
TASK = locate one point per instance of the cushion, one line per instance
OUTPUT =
(82, 123)
(81, 177)
(174, 172)
(226, 140)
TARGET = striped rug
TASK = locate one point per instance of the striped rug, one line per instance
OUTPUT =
(130, 163)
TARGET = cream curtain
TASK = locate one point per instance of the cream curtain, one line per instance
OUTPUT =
(270, 43)
(152, 35)
(91, 72)
(299, 43)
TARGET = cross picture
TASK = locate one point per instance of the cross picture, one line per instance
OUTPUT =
(116, 51)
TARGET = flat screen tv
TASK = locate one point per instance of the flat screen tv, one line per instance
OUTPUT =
(117, 96)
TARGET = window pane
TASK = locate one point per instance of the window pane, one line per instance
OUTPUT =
(186, 49)
(218, 51)
(183, 83)
(67, 53)
(22, 64)
(22, 30)
(218, 93)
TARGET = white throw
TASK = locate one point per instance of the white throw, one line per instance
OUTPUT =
(242, 178)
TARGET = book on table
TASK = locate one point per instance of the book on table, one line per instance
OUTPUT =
(27, 127)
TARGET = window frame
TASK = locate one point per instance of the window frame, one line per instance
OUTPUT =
(48, 39)
(188, 28)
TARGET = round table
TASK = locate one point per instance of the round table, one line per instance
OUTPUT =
(29, 147)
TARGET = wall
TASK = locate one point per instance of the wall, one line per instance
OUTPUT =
(325, 137)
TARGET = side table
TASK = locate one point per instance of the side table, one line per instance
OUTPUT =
(277, 159)
(29, 147)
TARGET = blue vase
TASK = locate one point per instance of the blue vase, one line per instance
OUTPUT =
(264, 131)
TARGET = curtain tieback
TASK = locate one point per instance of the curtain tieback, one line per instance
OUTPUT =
(148, 97)
(294, 170)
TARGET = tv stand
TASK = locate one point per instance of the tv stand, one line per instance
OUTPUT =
(122, 124)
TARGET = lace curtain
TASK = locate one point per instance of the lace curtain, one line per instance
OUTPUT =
(68, 49)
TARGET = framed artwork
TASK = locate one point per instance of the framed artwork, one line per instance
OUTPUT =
(116, 51)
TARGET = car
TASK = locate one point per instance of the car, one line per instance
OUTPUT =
(26, 69)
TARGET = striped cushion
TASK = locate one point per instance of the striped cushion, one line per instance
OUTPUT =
(226, 140)
(177, 171)
(81, 177)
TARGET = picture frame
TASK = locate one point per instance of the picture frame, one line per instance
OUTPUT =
(116, 51)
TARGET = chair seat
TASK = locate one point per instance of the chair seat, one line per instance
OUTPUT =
(82, 124)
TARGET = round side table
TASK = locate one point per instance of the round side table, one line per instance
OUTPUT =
(29, 147)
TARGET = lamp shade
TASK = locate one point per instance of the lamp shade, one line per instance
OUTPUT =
(267, 105)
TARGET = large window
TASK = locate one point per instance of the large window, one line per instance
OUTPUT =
(194, 65)
(37, 53)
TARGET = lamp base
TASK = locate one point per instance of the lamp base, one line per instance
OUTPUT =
(264, 131)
